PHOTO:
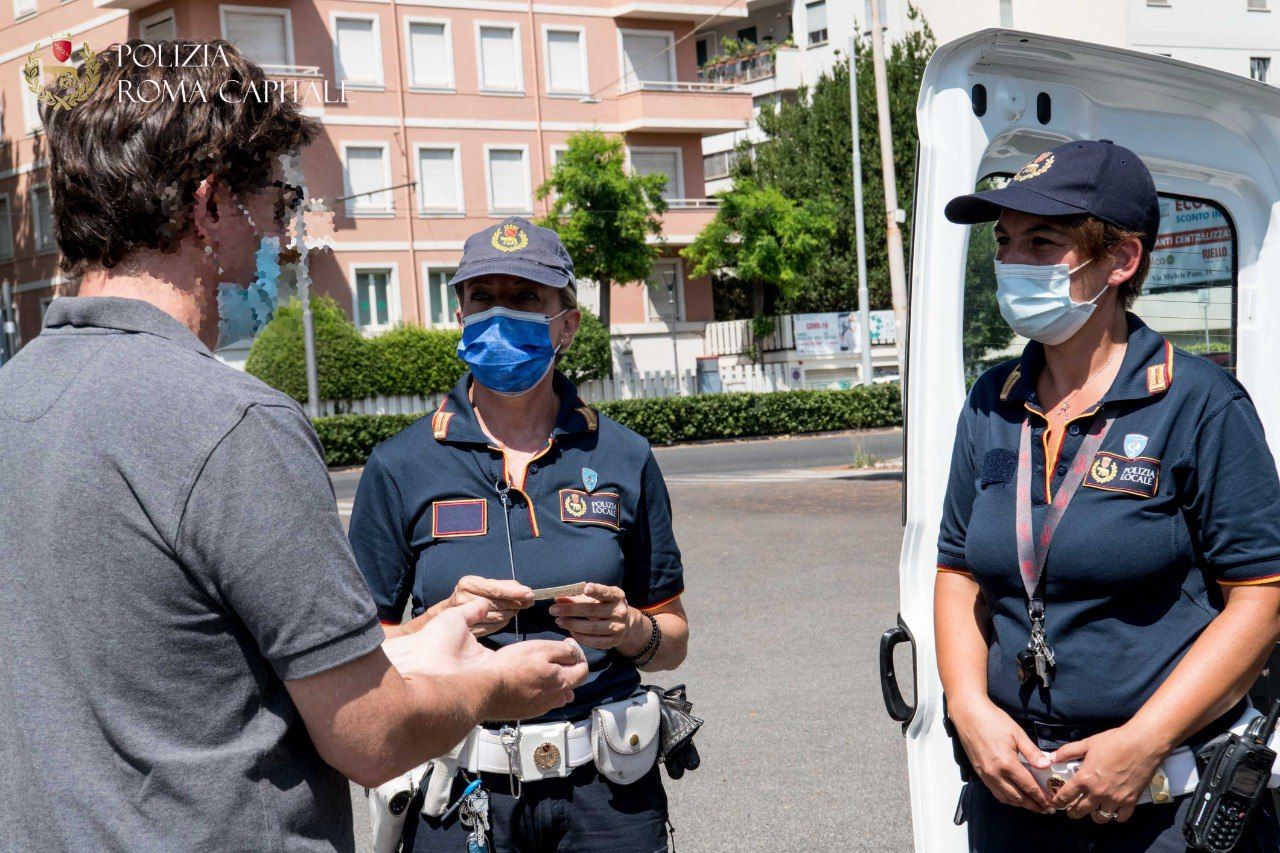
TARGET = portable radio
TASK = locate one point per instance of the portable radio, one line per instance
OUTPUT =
(1233, 778)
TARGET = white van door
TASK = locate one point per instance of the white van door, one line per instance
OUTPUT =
(989, 103)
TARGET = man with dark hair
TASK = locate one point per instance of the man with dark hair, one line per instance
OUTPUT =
(186, 640)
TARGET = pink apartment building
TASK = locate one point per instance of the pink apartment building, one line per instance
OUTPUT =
(454, 112)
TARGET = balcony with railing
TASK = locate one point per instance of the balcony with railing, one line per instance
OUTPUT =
(685, 217)
(679, 106)
(772, 69)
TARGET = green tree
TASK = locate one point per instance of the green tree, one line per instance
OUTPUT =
(588, 357)
(806, 155)
(604, 215)
(343, 365)
(762, 237)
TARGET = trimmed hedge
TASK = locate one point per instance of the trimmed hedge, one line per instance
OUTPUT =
(347, 439)
(411, 357)
(342, 357)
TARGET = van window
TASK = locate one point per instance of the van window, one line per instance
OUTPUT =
(1189, 295)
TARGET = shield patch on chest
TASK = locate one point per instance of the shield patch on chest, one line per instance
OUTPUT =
(1112, 472)
(579, 507)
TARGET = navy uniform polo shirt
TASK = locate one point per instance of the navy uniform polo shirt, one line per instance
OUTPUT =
(593, 507)
(1181, 499)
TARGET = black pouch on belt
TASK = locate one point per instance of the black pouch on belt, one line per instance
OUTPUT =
(676, 749)
(962, 759)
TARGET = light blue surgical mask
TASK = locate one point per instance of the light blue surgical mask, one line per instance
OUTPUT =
(244, 311)
(508, 351)
(1036, 301)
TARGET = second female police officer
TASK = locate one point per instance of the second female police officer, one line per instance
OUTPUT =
(514, 485)
(1109, 557)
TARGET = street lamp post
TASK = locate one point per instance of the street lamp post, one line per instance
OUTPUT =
(671, 324)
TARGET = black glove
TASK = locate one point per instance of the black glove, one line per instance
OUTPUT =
(676, 749)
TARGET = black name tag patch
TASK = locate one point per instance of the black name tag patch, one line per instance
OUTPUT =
(579, 507)
(459, 518)
(1115, 473)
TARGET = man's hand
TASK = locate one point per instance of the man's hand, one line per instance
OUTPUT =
(535, 676)
(445, 645)
(994, 742)
(602, 619)
(506, 598)
(1118, 764)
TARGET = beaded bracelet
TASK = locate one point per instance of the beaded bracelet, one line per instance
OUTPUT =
(650, 650)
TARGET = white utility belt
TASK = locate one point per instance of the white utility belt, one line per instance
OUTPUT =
(1177, 775)
(542, 750)
(622, 738)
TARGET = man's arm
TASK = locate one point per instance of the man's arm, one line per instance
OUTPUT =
(260, 530)
(419, 695)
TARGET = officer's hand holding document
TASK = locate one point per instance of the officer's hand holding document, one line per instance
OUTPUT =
(530, 678)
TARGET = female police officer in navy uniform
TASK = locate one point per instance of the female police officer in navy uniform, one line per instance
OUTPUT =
(1145, 470)
(515, 485)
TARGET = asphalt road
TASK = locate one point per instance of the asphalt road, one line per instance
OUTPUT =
(791, 580)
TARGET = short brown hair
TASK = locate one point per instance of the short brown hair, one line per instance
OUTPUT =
(123, 171)
(1095, 239)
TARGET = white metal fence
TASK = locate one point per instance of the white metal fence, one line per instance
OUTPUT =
(622, 386)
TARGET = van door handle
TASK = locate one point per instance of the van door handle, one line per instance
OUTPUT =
(894, 703)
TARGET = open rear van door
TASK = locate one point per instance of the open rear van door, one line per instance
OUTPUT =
(989, 103)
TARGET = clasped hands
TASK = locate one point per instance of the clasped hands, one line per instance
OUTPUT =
(1116, 765)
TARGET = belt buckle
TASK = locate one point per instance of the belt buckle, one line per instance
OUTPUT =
(544, 751)
(1159, 787)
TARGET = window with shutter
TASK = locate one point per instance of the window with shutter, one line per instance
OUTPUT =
(6, 230)
(430, 56)
(159, 28)
(357, 51)
(816, 15)
(30, 106)
(499, 63)
(660, 161)
(646, 58)
(566, 62)
(664, 288)
(367, 180)
(440, 189)
(442, 299)
(508, 188)
(42, 218)
(263, 37)
(374, 298)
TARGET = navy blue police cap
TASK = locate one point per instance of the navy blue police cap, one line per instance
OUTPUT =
(517, 247)
(1099, 178)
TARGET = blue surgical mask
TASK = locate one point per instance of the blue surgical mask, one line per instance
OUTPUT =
(244, 311)
(1036, 301)
(508, 351)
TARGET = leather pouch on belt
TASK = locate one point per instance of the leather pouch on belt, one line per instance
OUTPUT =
(625, 737)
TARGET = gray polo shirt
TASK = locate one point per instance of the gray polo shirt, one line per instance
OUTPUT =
(170, 553)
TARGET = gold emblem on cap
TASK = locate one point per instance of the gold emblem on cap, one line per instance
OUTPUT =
(1035, 168)
(546, 756)
(509, 238)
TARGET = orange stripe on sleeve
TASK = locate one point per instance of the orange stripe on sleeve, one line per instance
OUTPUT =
(660, 604)
(1273, 578)
(956, 571)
